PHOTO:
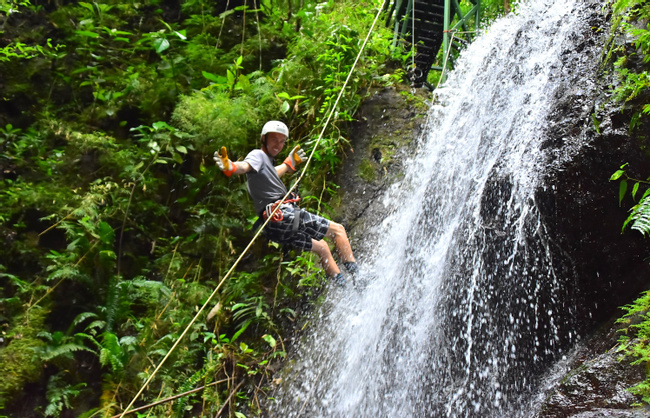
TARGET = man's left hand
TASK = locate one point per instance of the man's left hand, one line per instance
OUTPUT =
(296, 156)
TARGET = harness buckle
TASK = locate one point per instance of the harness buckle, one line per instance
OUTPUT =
(278, 216)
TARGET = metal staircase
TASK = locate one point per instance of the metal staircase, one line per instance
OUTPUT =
(438, 23)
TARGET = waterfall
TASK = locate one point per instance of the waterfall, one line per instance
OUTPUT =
(467, 301)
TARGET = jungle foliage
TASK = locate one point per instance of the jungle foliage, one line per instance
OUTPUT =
(115, 224)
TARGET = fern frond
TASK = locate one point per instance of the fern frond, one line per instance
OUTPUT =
(65, 272)
(640, 216)
(106, 358)
(95, 325)
(81, 318)
(65, 350)
(128, 340)
(189, 384)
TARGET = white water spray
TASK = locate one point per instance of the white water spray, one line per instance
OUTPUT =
(464, 304)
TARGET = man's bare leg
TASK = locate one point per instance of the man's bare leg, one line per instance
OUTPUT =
(326, 260)
(337, 232)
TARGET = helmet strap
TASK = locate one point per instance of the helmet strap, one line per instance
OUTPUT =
(264, 144)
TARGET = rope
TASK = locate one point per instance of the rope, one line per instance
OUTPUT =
(413, 35)
(172, 398)
(259, 231)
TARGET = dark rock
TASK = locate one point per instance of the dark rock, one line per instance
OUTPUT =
(594, 381)
(599, 383)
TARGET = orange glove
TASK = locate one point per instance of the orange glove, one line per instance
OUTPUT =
(223, 162)
(296, 156)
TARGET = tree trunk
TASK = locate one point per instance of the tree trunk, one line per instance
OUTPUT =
(506, 6)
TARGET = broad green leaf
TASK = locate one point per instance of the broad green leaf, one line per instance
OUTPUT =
(213, 77)
(87, 6)
(161, 125)
(621, 191)
(243, 83)
(270, 340)
(87, 33)
(106, 233)
(160, 45)
(617, 175)
(226, 13)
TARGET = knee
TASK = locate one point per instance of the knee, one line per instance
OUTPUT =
(337, 229)
(321, 248)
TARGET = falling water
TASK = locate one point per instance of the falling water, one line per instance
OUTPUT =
(466, 303)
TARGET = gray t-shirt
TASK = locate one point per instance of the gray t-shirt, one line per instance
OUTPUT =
(263, 182)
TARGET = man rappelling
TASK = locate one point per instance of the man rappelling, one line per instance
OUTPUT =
(290, 225)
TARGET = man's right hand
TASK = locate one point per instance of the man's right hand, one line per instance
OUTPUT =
(223, 162)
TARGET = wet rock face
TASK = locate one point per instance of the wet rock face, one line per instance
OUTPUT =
(388, 123)
(594, 381)
(588, 139)
(598, 384)
(609, 267)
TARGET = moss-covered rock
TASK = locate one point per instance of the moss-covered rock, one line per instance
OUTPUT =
(19, 362)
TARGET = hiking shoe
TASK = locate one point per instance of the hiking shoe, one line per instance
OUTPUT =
(339, 280)
(351, 267)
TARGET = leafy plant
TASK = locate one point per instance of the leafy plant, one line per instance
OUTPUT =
(635, 82)
(60, 395)
(635, 339)
(640, 213)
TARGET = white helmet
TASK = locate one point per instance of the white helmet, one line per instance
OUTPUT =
(275, 126)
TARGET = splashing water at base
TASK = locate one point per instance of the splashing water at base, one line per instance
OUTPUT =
(466, 302)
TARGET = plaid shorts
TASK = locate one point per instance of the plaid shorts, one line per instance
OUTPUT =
(311, 227)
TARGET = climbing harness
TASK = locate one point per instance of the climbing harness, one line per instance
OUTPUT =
(250, 244)
(277, 215)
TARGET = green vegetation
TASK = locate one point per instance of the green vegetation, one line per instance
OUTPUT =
(367, 171)
(632, 66)
(634, 342)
